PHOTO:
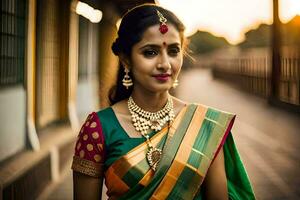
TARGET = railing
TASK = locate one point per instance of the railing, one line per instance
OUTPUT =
(289, 88)
(251, 69)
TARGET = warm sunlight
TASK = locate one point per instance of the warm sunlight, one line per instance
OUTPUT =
(288, 9)
(228, 18)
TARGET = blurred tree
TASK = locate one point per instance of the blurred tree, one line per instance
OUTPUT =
(261, 37)
(203, 42)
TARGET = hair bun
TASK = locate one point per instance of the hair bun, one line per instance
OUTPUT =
(116, 47)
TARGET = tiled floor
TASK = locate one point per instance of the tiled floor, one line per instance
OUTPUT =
(268, 138)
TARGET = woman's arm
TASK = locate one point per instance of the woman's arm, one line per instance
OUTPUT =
(87, 187)
(88, 160)
(215, 183)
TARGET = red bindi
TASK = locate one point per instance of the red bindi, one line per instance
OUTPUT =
(164, 44)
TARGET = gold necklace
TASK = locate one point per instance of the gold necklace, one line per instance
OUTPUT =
(144, 120)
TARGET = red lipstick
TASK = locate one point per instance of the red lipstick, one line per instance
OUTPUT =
(162, 77)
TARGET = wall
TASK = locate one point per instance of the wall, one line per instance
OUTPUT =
(12, 121)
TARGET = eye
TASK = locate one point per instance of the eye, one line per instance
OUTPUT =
(174, 51)
(150, 53)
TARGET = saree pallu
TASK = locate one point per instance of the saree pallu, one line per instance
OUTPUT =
(189, 146)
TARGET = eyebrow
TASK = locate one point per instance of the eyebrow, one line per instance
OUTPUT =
(155, 46)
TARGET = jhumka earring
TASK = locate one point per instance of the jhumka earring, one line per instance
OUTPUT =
(163, 28)
(127, 81)
(176, 83)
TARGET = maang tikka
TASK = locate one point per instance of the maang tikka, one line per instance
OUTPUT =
(163, 28)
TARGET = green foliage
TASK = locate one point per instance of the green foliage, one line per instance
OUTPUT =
(261, 37)
(203, 42)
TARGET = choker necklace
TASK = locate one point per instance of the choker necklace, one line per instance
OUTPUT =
(144, 120)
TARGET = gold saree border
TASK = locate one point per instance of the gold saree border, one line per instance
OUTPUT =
(120, 167)
(180, 161)
(115, 186)
(217, 136)
(137, 154)
(87, 167)
(125, 163)
(148, 176)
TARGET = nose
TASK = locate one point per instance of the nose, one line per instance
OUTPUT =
(164, 63)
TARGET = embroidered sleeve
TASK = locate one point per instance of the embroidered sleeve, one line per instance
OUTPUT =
(89, 149)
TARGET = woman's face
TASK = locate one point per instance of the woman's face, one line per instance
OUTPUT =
(157, 59)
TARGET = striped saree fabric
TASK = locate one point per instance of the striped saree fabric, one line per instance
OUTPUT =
(189, 145)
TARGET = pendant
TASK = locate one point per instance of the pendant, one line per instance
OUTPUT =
(153, 157)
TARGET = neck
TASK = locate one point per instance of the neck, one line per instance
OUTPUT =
(150, 101)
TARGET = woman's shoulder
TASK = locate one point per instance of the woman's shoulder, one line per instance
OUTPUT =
(211, 111)
(103, 111)
(210, 108)
(96, 119)
(120, 107)
(216, 110)
(108, 116)
(217, 116)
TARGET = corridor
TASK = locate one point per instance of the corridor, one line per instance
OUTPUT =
(268, 138)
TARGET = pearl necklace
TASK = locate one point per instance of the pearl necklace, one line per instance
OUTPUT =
(144, 120)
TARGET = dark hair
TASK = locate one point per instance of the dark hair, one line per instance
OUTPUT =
(133, 25)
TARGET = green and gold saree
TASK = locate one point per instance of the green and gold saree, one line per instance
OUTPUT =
(189, 146)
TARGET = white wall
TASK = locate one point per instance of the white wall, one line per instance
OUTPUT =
(12, 120)
(87, 97)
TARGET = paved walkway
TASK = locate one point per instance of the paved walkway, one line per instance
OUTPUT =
(268, 138)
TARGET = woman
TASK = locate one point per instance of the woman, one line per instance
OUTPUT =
(149, 144)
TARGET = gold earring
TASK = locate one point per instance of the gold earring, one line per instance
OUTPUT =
(127, 81)
(176, 83)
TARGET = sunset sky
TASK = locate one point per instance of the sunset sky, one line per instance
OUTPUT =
(228, 18)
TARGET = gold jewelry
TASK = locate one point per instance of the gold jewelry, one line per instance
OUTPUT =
(127, 81)
(176, 83)
(163, 28)
(144, 120)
